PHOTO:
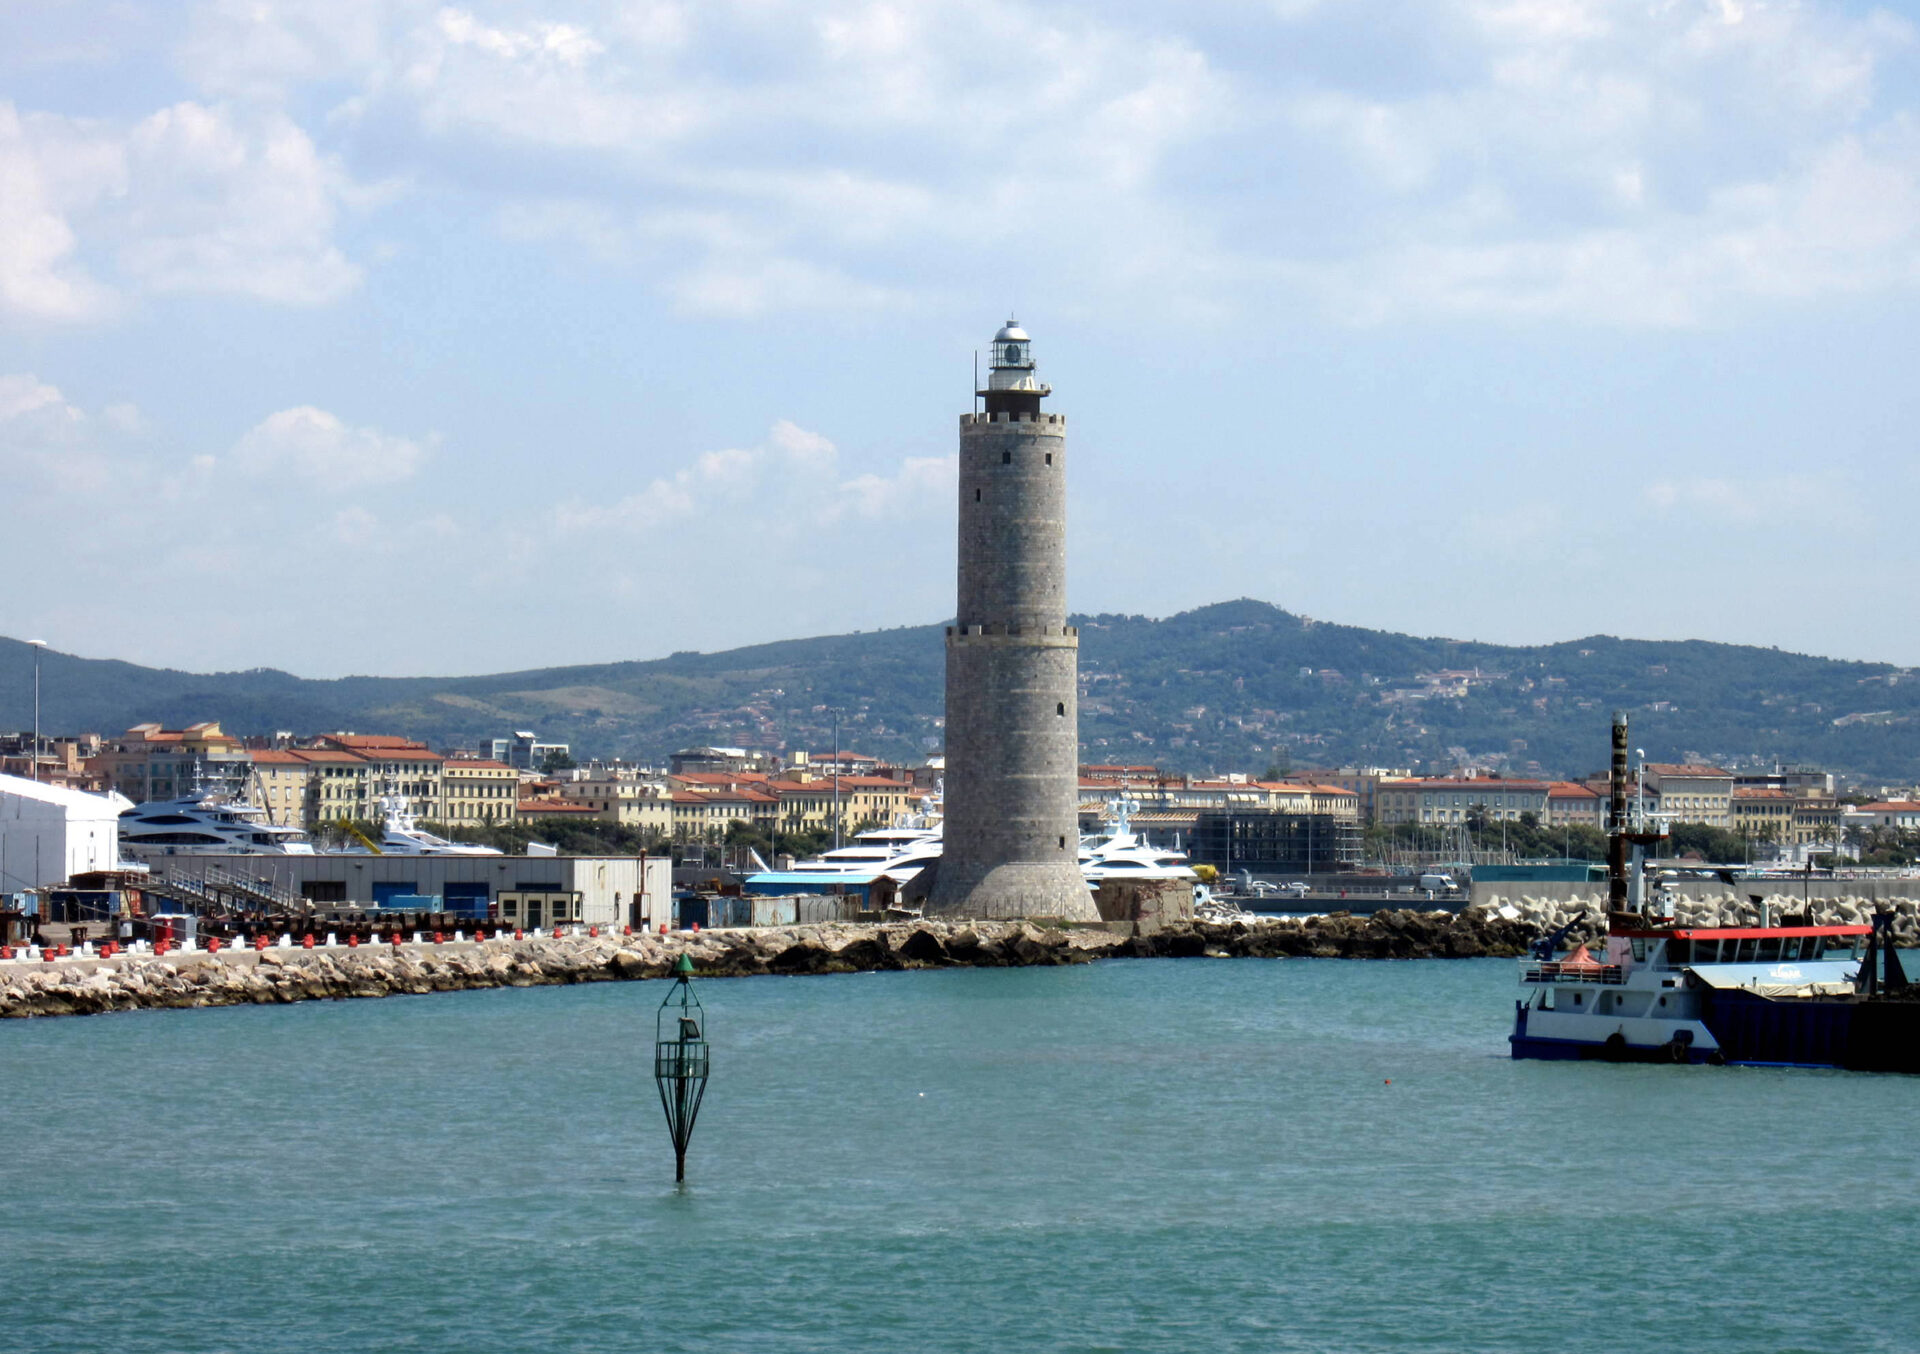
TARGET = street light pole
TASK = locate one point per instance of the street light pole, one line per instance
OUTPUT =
(37, 645)
(836, 778)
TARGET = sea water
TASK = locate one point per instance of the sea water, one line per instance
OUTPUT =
(1136, 1155)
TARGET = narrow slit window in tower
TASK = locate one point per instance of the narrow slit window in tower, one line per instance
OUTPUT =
(976, 495)
(1061, 708)
(1006, 458)
(1049, 458)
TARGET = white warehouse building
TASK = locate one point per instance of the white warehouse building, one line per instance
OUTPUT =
(49, 833)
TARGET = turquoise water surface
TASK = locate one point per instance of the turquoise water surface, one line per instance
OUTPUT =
(1137, 1155)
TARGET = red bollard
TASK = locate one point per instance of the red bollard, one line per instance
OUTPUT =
(663, 928)
(626, 930)
(6, 951)
(439, 939)
(593, 933)
(213, 944)
(306, 942)
(518, 934)
(396, 940)
(696, 926)
(353, 940)
(259, 942)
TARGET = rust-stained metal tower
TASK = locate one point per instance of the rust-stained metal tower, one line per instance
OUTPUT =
(1012, 829)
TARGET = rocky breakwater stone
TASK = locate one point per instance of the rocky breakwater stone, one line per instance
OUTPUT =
(1830, 906)
(273, 976)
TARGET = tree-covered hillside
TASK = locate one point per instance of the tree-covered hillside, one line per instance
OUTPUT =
(1239, 685)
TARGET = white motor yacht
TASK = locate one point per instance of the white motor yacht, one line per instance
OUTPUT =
(1125, 854)
(207, 823)
(898, 852)
(402, 835)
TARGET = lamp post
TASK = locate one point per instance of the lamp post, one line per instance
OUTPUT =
(836, 778)
(680, 1060)
(37, 645)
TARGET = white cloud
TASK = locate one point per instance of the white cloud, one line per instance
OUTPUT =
(313, 445)
(229, 207)
(792, 479)
(1731, 503)
(192, 198)
(41, 276)
(47, 445)
(1651, 164)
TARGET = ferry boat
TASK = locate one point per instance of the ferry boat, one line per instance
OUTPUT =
(1793, 995)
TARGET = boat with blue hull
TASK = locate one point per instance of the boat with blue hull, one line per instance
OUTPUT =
(1785, 995)
(1792, 995)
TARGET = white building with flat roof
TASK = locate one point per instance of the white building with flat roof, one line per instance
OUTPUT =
(49, 833)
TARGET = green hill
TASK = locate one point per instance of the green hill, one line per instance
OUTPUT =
(1238, 685)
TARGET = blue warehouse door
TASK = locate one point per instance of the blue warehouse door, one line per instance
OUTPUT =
(467, 900)
(385, 893)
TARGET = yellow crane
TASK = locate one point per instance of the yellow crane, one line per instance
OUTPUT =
(348, 826)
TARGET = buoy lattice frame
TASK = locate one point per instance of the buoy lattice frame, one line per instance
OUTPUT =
(681, 1060)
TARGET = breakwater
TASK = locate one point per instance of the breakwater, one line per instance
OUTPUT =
(123, 982)
(1553, 908)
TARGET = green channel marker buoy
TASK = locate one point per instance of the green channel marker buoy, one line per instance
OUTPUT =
(680, 1060)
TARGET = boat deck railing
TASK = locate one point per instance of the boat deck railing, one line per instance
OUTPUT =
(1606, 975)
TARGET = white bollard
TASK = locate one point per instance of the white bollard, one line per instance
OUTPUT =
(285, 943)
(332, 939)
(459, 935)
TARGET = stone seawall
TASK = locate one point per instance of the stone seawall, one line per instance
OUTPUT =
(1708, 907)
(247, 977)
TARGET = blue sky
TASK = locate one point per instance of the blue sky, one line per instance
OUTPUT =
(392, 337)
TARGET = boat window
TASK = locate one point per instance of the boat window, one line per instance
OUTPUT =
(1706, 951)
(1679, 951)
(1639, 949)
(1743, 951)
(1546, 998)
(1768, 950)
(1578, 998)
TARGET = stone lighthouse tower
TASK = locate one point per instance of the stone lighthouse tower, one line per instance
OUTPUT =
(1012, 789)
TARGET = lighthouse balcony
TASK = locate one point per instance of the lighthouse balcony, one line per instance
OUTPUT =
(1056, 421)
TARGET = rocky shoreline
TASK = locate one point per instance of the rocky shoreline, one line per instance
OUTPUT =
(126, 982)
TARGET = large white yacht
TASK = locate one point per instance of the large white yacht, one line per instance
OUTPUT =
(902, 852)
(402, 835)
(207, 823)
(898, 852)
(1125, 854)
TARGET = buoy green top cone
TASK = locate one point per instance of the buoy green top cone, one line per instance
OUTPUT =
(680, 1060)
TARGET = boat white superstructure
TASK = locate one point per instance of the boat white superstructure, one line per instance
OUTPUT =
(207, 823)
(402, 835)
(1125, 854)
